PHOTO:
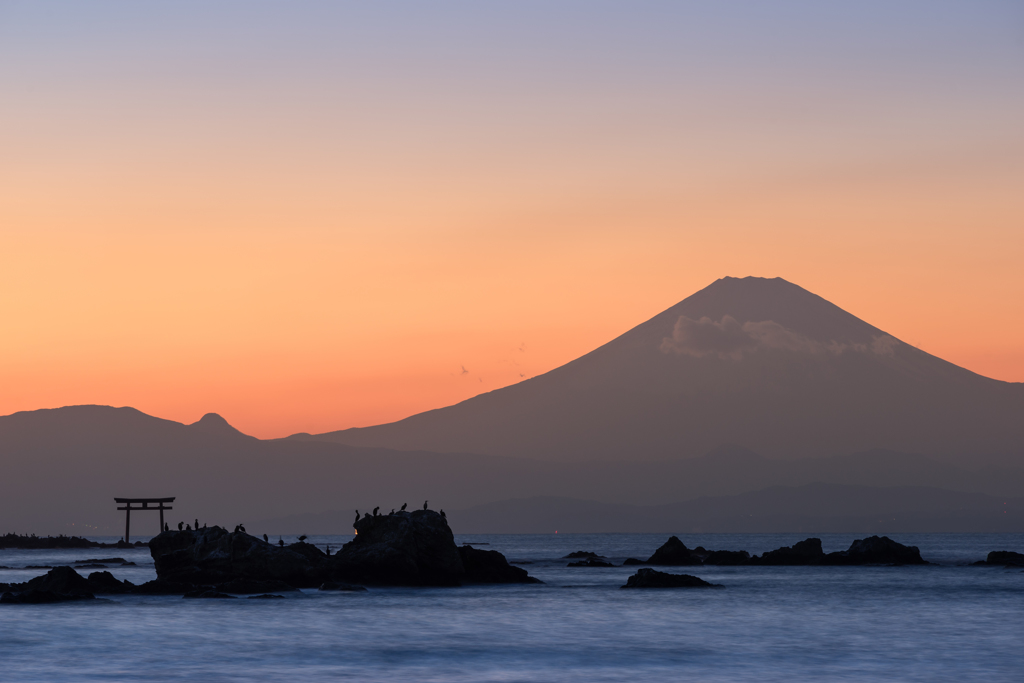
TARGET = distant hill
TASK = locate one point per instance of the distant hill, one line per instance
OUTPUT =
(757, 363)
(64, 466)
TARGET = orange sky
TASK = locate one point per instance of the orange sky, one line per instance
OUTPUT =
(313, 222)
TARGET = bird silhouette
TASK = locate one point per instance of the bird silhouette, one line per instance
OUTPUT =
(403, 506)
(265, 539)
(443, 515)
(375, 510)
(181, 525)
(241, 527)
(302, 538)
(357, 518)
(280, 541)
(392, 512)
(425, 505)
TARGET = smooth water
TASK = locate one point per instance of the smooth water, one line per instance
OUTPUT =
(948, 622)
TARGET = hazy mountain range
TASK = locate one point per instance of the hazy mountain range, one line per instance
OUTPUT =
(735, 410)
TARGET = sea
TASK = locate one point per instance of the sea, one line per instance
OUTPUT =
(948, 621)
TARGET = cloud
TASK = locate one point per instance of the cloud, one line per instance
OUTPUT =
(728, 338)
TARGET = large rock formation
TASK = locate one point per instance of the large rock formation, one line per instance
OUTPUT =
(673, 553)
(1004, 558)
(875, 550)
(60, 584)
(652, 578)
(490, 566)
(214, 556)
(402, 549)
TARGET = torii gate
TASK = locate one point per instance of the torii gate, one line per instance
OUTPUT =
(145, 506)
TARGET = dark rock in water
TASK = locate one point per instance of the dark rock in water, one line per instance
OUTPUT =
(213, 556)
(38, 566)
(108, 560)
(60, 580)
(1005, 558)
(33, 542)
(724, 558)
(651, 578)
(265, 597)
(40, 597)
(245, 586)
(875, 550)
(592, 562)
(632, 561)
(673, 554)
(581, 555)
(344, 587)
(163, 587)
(806, 552)
(127, 564)
(490, 566)
(90, 566)
(404, 549)
(104, 583)
(208, 594)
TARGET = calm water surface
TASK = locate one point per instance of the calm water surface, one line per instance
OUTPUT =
(949, 622)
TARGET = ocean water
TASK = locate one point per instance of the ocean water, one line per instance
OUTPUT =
(947, 622)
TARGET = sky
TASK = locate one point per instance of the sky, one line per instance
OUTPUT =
(325, 215)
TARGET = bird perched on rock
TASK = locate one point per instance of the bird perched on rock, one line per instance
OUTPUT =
(302, 538)
(197, 525)
(425, 505)
(181, 525)
(357, 518)
(403, 506)
(392, 512)
(242, 527)
(443, 515)
(265, 539)
(280, 541)
(167, 527)
(375, 510)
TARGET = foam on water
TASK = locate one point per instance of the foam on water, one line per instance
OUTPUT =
(935, 623)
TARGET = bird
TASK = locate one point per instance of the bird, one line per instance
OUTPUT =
(302, 538)
(188, 528)
(265, 539)
(375, 510)
(443, 515)
(280, 541)
(366, 515)
(392, 512)
(197, 525)
(242, 528)
(403, 506)
(425, 504)
(167, 527)
(357, 518)
(181, 525)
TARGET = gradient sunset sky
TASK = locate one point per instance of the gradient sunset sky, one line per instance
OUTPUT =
(312, 216)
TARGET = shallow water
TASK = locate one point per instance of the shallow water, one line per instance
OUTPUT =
(949, 622)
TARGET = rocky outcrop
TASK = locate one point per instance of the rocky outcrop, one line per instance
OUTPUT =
(214, 556)
(402, 549)
(806, 552)
(36, 597)
(652, 578)
(875, 550)
(725, 558)
(60, 584)
(582, 555)
(673, 553)
(1004, 558)
(104, 583)
(490, 566)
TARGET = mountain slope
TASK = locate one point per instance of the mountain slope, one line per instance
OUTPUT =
(758, 363)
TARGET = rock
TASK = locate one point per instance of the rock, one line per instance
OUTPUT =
(104, 583)
(490, 566)
(592, 562)
(673, 554)
(245, 586)
(875, 550)
(33, 542)
(806, 552)
(1006, 558)
(60, 580)
(581, 555)
(344, 587)
(90, 566)
(163, 587)
(404, 549)
(651, 578)
(208, 594)
(213, 556)
(631, 561)
(723, 558)
(39, 597)
(108, 560)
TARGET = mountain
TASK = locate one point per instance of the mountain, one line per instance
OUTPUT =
(61, 469)
(756, 363)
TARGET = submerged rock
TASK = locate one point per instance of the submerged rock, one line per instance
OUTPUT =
(673, 553)
(582, 555)
(341, 587)
(652, 578)
(490, 566)
(591, 562)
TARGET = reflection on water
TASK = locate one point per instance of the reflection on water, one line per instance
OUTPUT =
(937, 623)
